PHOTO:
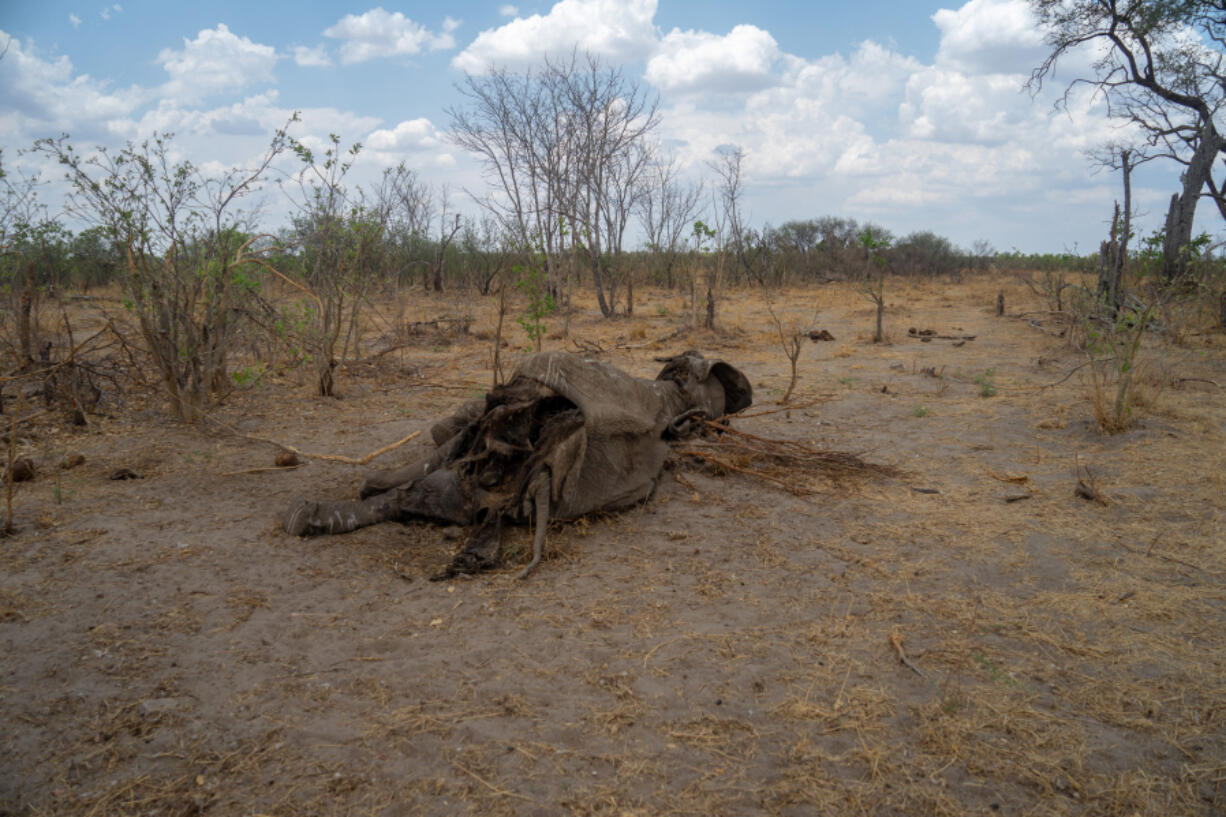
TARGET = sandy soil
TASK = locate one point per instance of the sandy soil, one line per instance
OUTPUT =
(726, 649)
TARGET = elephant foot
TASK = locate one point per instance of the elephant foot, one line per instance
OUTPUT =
(298, 519)
(305, 517)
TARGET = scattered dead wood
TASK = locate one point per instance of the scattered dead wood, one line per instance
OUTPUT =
(457, 325)
(1086, 489)
(780, 462)
(1213, 383)
(588, 347)
(673, 334)
(1045, 330)
(928, 335)
(793, 407)
(1166, 557)
(327, 457)
(262, 470)
(896, 642)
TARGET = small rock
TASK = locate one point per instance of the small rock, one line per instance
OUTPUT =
(72, 461)
(286, 459)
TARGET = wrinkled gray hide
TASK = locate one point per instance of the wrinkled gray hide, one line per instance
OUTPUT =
(564, 437)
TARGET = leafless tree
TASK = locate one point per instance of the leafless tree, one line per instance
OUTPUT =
(729, 233)
(448, 226)
(558, 146)
(511, 122)
(666, 210)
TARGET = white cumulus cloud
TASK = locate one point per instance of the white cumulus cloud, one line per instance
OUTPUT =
(75, 20)
(990, 37)
(700, 61)
(217, 60)
(508, 10)
(616, 30)
(316, 57)
(380, 33)
(411, 135)
(42, 96)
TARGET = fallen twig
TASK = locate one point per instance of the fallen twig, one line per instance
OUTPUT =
(495, 789)
(588, 347)
(327, 457)
(1086, 489)
(896, 641)
(1047, 331)
(1199, 380)
(793, 407)
(263, 469)
(1167, 557)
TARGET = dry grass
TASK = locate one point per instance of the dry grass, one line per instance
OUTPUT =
(730, 648)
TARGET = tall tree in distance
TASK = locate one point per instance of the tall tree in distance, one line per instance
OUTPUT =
(1160, 66)
(562, 148)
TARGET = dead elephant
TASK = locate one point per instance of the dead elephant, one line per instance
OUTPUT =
(565, 437)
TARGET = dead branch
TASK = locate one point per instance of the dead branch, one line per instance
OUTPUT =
(262, 470)
(67, 361)
(588, 347)
(779, 462)
(1047, 331)
(795, 407)
(1166, 557)
(896, 641)
(1086, 488)
(326, 457)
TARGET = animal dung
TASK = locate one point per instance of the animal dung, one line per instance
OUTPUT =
(286, 459)
(22, 469)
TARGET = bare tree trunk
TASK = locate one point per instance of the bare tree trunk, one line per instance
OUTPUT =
(25, 332)
(1182, 211)
(606, 305)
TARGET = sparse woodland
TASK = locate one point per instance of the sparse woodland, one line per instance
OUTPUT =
(1025, 616)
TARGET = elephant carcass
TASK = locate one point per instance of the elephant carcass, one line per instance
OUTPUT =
(564, 437)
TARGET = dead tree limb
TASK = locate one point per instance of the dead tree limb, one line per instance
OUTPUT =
(326, 457)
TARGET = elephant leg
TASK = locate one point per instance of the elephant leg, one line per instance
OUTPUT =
(437, 497)
(377, 482)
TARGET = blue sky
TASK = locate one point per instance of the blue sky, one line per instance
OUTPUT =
(906, 113)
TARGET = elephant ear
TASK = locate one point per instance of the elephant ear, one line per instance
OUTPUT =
(738, 394)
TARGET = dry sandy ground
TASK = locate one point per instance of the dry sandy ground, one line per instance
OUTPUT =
(724, 650)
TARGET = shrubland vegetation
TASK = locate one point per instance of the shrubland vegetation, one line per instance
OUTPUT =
(212, 295)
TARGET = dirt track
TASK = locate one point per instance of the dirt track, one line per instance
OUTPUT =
(725, 649)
